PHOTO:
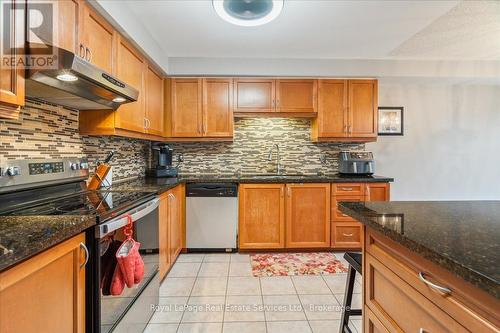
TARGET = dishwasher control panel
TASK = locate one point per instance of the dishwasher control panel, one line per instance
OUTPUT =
(208, 190)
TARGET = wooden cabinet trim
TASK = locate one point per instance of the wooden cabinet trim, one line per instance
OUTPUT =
(175, 110)
(372, 111)
(154, 107)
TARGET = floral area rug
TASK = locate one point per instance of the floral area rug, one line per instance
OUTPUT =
(281, 264)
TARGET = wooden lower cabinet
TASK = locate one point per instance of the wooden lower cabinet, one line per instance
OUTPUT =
(171, 234)
(261, 216)
(308, 215)
(48, 289)
(398, 300)
(346, 231)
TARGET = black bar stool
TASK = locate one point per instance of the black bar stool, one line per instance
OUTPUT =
(354, 260)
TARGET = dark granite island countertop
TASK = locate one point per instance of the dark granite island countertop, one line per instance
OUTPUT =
(22, 237)
(160, 185)
(460, 236)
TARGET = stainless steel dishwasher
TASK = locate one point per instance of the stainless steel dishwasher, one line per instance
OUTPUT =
(211, 217)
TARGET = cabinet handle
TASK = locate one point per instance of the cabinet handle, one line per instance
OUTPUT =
(350, 129)
(421, 330)
(345, 215)
(278, 103)
(347, 235)
(148, 123)
(444, 290)
(282, 190)
(82, 51)
(346, 188)
(288, 191)
(205, 128)
(84, 248)
(88, 54)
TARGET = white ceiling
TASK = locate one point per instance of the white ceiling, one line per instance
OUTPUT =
(305, 29)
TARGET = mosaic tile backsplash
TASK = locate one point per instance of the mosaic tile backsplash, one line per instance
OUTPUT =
(44, 132)
(253, 139)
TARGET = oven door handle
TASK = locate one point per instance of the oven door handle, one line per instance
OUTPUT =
(120, 222)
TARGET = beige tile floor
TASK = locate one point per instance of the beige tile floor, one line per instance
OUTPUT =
(205, 293)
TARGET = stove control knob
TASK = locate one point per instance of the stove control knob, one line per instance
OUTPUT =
(74, 166)
(12, 171)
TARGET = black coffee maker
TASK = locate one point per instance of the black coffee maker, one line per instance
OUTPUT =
(162, 155)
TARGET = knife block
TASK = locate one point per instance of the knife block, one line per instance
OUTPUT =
(97, 179)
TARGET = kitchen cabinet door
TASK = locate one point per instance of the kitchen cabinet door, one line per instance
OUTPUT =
(97, 43)
(175, 218)
(11, 75)
(46, 293)
(218, 107)
(261, 216)
(378, 191)
(308, 215)
(254, 95)
(363, 108)
(164, 235)
(185, 118)
(131, 69)
(155, 122)
(296, 95)
(64, 32)
(332, 110)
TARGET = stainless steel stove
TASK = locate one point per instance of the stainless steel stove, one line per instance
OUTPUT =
(58, 187)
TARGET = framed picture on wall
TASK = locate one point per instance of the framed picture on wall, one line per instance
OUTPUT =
(390, 120)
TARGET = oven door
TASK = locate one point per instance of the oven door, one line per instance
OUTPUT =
(131, 310)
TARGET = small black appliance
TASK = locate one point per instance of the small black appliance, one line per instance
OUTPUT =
(163, 155)
(356, 163)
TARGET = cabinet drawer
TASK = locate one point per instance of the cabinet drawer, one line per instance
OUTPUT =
(473, 309)
(336, 214)
(371, 323)
(346, 236)
(401, 307)
(348, 189)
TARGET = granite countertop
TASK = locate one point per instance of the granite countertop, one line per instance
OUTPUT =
(160, 185)
(460, 236)
(22, 237)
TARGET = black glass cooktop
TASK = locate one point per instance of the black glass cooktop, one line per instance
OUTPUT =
(100, 203)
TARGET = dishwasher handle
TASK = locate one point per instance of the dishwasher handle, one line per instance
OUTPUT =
(212, 190)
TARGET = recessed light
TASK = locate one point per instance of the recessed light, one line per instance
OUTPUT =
(66, 77)
(248, 13)
(119, 100)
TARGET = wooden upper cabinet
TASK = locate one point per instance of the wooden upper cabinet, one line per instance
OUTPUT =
(347, 110)
(218, 107)
(261, 216)
(308, 215)
(131, 69)
(97, 43)
(363, 108)
(154, 102)
(186, 119)
(47, 292)
(254, 95)
(12, 88)
(296, 95)
(332, 109)
(64, 32)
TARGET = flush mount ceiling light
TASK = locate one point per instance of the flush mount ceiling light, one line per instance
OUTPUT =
(248, 13)
(66, 77)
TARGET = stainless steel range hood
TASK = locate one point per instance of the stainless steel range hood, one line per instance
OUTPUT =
(75, 83)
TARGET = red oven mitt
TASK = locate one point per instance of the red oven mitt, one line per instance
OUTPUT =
(127, 257)
(117, 283)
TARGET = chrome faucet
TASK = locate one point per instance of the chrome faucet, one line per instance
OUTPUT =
(279, 167)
